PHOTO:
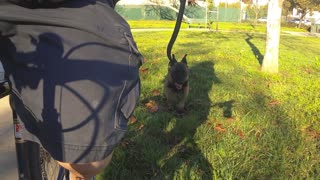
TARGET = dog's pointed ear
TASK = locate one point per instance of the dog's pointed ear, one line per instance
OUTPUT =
(172, 60)
(184, 59)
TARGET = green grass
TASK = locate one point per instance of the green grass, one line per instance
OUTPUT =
(143, 24)
(226, 26)
(240, 124)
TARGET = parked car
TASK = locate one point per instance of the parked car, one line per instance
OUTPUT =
(262, 19)
(305, 22)
(295, 21)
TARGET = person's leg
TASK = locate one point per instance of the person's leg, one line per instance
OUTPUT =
(85, 171)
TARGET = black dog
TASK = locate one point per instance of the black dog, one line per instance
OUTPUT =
(176, 87)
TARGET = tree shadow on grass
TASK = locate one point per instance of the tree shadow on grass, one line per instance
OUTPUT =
(254, 49)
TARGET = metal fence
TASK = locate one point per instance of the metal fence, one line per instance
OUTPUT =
(157, 12)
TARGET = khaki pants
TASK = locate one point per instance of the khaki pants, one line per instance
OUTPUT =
(85, 171)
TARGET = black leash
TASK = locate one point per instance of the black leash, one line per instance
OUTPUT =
(176, 28)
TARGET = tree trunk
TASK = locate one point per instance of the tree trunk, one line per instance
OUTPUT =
(270, 60)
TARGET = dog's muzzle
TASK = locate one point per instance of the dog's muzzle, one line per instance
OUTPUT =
(178, 86)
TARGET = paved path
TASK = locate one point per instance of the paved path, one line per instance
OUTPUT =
(305, 34)
(8, 165)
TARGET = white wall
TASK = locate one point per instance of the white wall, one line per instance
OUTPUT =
(315, 15)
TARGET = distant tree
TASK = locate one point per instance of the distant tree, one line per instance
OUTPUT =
(253, 12)
(210, 4)
(255, 9)
(287, 7)
(247, 1)
(230, 5)
(192, 3)
(175, 3)
(255, 6)
(270, 61)
(156, 1)
(303, 7)
(161, 10)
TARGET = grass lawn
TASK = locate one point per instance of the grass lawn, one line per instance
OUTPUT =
(240, 124)
(226, 26)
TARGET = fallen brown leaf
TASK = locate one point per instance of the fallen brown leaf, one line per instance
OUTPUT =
(308, 70)
(240, 134)
(274, 103)
(144, 70)
(311, 133)
(231, 119)
(220, 128)
(152, 106)
(132, 120)
(156, 92)
(141, 127)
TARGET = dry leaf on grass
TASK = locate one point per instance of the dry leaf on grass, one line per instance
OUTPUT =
(240, 134)
(230, 119)
(132, 120)
(274, 103)
(144, 70)
(156, 92)
(152, 106)
(141, 127)
(311, 133)
(220, 128)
